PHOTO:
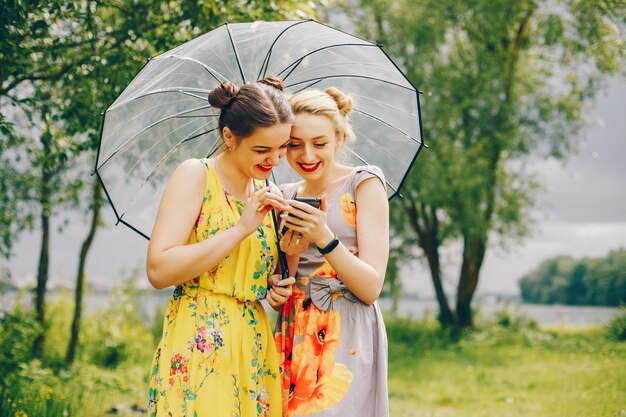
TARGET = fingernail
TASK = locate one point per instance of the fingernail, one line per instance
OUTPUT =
(280, 283)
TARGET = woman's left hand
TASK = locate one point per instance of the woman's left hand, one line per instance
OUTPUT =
(293, 243)
(308, 221)
(279, 290)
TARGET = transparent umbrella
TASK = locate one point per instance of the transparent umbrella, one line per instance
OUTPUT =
(163, 116)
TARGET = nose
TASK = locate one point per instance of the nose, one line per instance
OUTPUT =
(307, 155)
(275, 157)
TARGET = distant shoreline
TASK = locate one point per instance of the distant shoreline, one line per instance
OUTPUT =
(152, 301)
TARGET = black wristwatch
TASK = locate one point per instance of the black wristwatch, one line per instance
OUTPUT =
(329, 248)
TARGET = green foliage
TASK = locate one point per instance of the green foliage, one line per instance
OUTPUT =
(587, 281)
(113, 359)
(116, 334)
(502, 85)
(18, 330)
(617, 327)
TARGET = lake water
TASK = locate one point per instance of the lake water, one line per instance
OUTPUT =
(153, 303)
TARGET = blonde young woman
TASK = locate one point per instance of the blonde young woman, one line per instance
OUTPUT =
(330, 333)
(215, 242)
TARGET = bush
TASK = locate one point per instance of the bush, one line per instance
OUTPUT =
(116, 334)
(18, 331)
(617, 326)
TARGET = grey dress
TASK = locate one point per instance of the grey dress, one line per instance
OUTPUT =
(332, 347)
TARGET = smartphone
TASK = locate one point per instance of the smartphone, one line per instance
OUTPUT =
(312, 201)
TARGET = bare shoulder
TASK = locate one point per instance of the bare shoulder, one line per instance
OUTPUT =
(190, 171)
(371, 188)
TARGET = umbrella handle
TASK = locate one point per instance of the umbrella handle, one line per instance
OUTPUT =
(282, 259)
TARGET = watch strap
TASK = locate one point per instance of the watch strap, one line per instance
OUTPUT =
(329, 248)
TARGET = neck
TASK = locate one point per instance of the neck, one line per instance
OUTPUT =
(237, 183)
(319, 186)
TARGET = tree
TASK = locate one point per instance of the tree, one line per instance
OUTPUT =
(64, 62)
(505, 82)
(587, 281)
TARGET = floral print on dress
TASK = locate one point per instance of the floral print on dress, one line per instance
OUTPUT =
(215, 330)
(332, 346)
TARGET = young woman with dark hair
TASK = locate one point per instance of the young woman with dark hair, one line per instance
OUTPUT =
(214, 240)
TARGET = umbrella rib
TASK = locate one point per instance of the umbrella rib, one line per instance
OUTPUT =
(232, 43)
(387, 124)
(174, 116)
(206, 67)
(193, 95)
(366, 163)
(159, 91)
(318, 79)
(160, 161)
(299, 60)
(266, 61)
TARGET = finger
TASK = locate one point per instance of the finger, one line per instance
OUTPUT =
(299, 205)
(294, 224)
(303, 214)
(285, 282)
(274, 279)
(259, 193)
(272, 298)
(280, 298)
(274, 204)
(274, 199)
(289, 237)
(323, 203)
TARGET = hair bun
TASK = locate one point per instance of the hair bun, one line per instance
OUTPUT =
(275, 82)
(344, 103)
(222, 95)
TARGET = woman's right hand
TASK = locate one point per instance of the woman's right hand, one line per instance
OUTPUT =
(257, 206)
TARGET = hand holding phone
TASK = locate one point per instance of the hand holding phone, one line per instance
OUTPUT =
(312, 201)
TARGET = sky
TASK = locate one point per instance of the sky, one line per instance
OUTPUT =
(583, 215)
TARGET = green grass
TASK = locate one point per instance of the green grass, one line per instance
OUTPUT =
(498, 372)
(509, 368)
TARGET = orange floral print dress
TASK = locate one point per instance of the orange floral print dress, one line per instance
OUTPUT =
(332, 347)
(217, 356)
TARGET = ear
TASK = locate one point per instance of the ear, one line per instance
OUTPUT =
(340, 138)
(229, 138)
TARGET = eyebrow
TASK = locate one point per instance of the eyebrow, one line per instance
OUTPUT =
(262, 147)
(315, 138)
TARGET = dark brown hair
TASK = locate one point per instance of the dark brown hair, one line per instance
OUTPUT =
(251, 106)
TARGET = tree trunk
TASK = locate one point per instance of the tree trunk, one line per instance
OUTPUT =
(430, 246)
(44, 254)
(474, 249)
(80, 276)
(428, 240)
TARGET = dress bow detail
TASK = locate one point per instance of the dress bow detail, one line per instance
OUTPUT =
(325, 290)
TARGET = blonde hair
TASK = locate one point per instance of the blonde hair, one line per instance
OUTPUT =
(330, 103)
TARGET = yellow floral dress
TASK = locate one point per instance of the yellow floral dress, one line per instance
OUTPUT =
(217, 356)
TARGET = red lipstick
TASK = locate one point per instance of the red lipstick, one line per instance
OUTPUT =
(263, 169)
(305, 169)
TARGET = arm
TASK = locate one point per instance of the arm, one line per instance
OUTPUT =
(363, 275)
(170, 260)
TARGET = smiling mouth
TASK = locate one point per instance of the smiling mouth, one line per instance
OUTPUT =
(264, 168)
(309, 167)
